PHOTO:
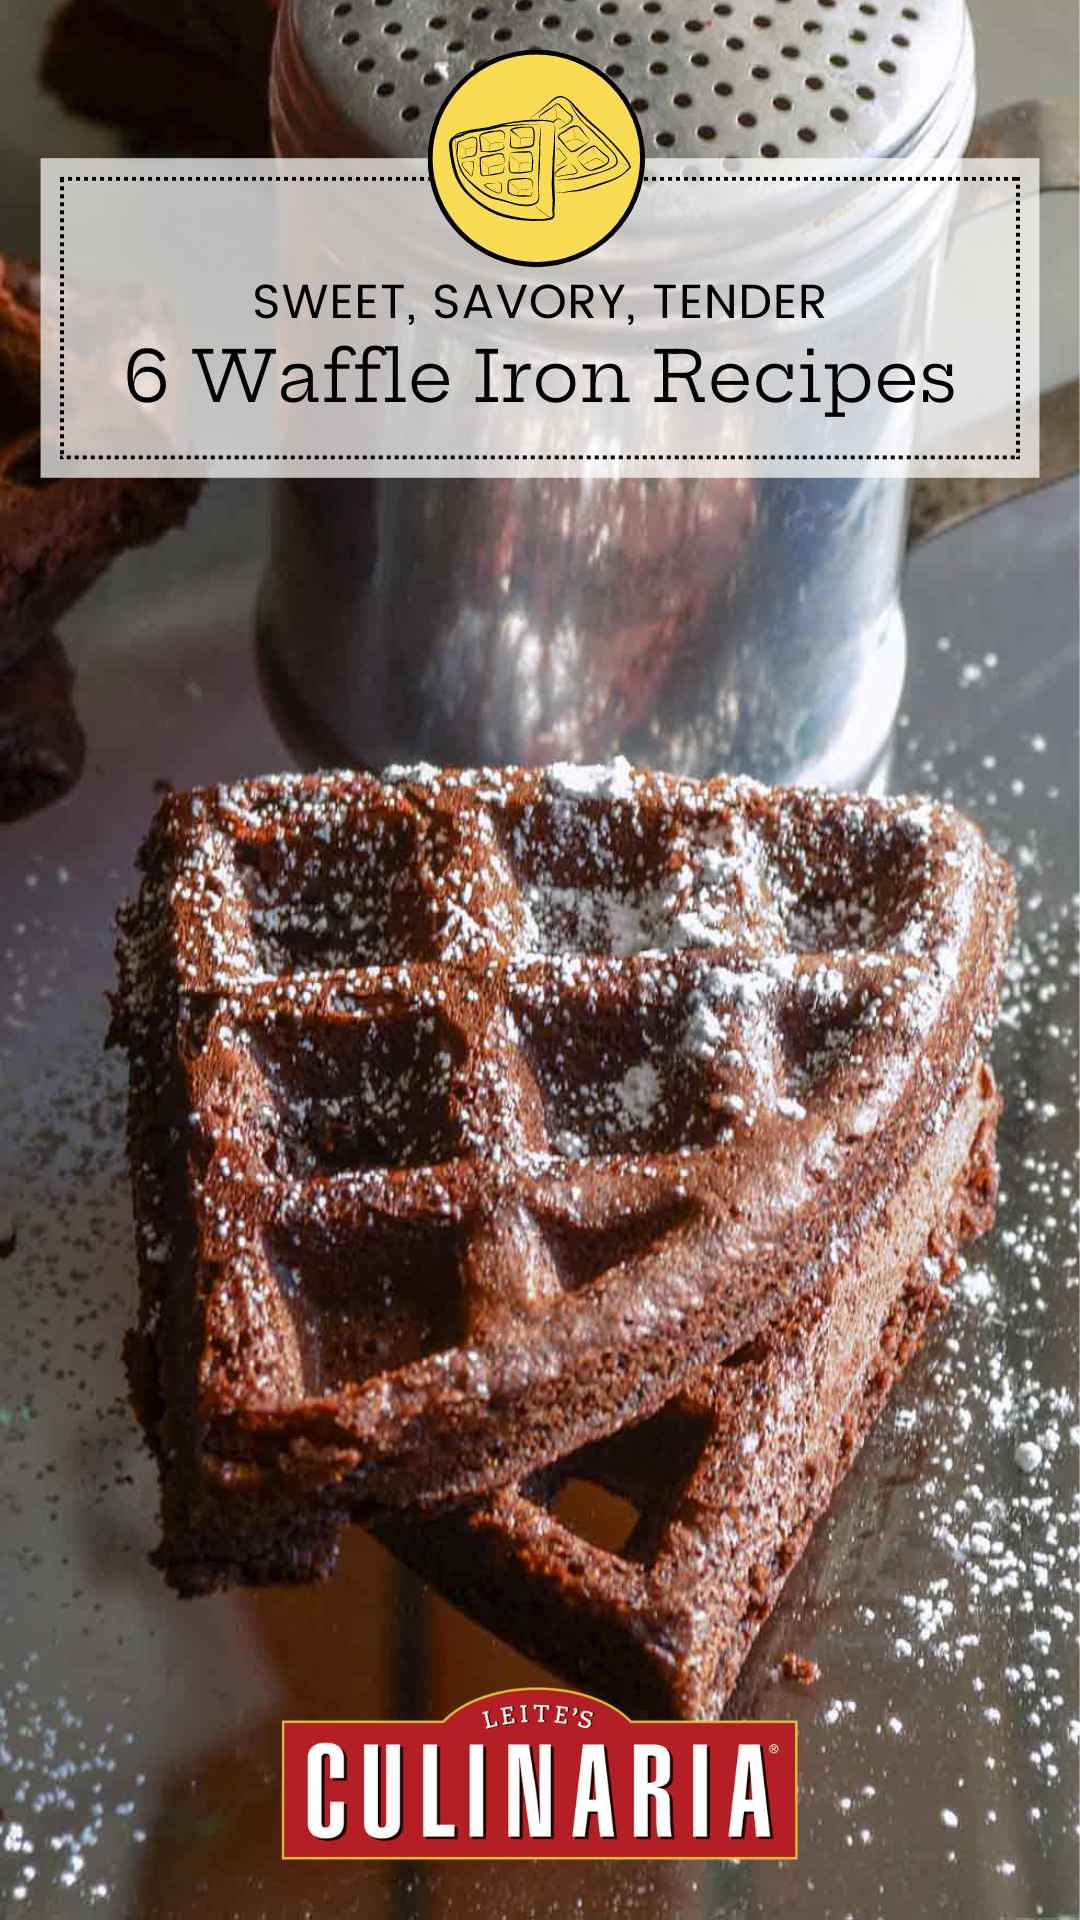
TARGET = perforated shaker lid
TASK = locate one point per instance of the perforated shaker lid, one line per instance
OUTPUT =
(782, 79)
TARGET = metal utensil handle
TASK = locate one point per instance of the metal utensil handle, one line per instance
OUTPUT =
(1044, 130)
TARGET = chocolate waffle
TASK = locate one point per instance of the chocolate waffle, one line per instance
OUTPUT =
(469, 1110)
(183, 78)
(654, 1601)
(42, 745)
(56, 536)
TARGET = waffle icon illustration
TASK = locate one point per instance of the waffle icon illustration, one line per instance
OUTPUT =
(516, 148)
(520, 168)
(509, 169)
(584, 156)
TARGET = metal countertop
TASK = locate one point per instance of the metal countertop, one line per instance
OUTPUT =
(139, 1734)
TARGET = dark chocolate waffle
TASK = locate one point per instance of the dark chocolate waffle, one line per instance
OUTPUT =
(469, 1110)
(654, 1601)
(187, 77)
(42, 746)
(56, 536)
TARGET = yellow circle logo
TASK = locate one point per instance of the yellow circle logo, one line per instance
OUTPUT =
(536, 158)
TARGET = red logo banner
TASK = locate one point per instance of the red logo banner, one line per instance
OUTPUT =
(538, 1773)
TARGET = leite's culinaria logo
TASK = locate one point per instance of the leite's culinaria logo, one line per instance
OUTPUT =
(536, 157)
(543, 1773)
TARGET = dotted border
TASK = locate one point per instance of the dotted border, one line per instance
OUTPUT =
(959, 177)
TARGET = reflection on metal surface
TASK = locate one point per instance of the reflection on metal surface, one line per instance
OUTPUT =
(698, 625)
(140, 1733)
(687, 624)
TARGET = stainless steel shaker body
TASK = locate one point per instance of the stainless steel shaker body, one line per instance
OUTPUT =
(693, 624)
(752, 625)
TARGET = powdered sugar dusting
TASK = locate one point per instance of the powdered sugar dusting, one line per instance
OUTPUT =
(611, 781)
(953, 1788)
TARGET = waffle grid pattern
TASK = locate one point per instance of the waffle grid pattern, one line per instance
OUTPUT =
(460, 1053)
(644, 1564)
